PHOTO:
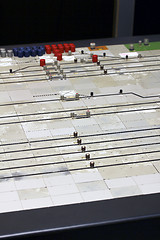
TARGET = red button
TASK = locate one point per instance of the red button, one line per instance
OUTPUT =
(72, 48)
(54, 48)
(56, 51)
(66, 48)
(48, 50)
(42, 62)
(60, 45)
(53, 45)
(47, 46)
(94, 58)
(61, 49)
(65, 44)
(59, 56)
(72, 44)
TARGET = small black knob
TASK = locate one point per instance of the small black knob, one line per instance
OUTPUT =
(83, 148)
(87, 156)
(75, 134)
(91, 164)
(79, 141)
(102, 67)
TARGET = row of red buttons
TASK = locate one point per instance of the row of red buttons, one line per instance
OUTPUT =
(60, 48)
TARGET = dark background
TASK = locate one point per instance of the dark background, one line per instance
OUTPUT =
(147, 17)
(35, 21)
(31, 21)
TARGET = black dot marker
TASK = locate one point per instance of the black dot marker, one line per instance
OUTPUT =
(79, 141)
(87, 156)
(91, 164)
(75, 134)
(83, 148)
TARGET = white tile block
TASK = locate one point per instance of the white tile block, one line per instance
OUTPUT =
(145, 179)
(37, 203)
(9, 196)
(10, 206)
(33, 193)
(54, 180)
(67, 199)
(91, 186)
(20, 95)
(28, 183)
(150, 188)
(86, 176)
(125, 191)
(38, 134)
(62, 131)
(7, 186)
(96, 195)
(120, 182)
(63, 189)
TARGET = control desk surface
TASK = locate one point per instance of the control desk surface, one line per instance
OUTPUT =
(79, 126)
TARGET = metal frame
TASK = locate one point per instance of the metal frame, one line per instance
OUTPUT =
(58, 220)
(124, 18)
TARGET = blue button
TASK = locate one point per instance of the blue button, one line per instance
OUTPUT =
(27, 53)
(33, 52)
(20, 53)
(40, 51)
(43, 49)
(21, 49)
(35, 48)
(15, 51)
(28, 49)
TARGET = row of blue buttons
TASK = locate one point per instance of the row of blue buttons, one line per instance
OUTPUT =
(29, 51)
